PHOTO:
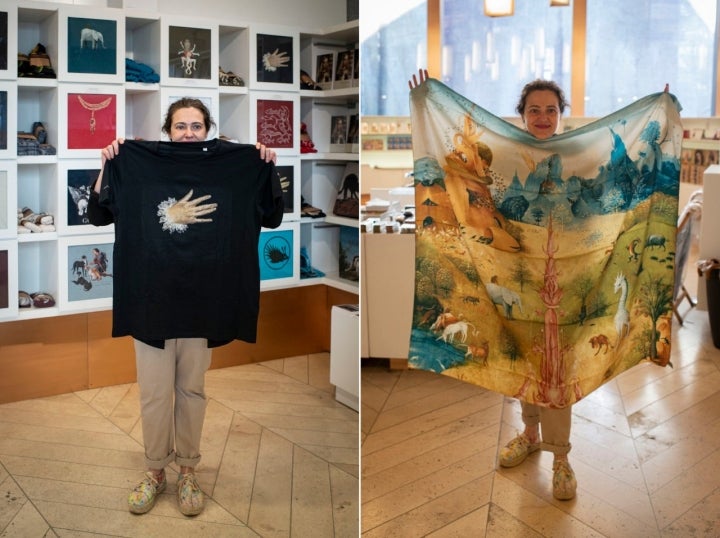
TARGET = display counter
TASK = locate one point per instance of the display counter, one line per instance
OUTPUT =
(709, 225)
(387, 287)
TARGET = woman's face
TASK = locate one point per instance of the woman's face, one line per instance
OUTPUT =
(542, 113)
(188, 125)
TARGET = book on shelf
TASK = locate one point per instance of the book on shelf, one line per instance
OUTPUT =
(344, 70)
(324, 70)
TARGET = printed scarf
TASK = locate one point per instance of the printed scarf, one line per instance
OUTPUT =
(543, 268)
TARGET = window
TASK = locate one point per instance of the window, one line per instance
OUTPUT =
(634, 48)
(393, 45)
(489, 60)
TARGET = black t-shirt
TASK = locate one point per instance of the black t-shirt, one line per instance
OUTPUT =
(187, 280)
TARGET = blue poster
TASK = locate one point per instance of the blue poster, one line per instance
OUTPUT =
(275, 250)
(90, 271)
(349, 254)
(92, 46)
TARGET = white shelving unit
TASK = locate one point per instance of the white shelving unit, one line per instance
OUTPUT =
(322, 172)
(34, 257)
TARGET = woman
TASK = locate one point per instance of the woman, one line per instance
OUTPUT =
(171, 373)
(541, 105)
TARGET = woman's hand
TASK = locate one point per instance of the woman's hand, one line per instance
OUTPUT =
(423, 74)
(108, 152)
(266, 153)
(112, 149)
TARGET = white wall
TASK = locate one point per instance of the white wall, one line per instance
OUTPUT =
(309, 15)
(306, 14)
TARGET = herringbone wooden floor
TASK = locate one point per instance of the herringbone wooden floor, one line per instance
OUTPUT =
(280, 458)
(646, 449)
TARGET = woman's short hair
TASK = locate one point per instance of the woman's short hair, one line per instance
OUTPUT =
(540, 84)
(187, 102)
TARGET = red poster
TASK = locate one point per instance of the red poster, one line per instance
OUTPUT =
(275, 123)
(92, 120)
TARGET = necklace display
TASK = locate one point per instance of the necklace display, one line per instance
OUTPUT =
(92, 107)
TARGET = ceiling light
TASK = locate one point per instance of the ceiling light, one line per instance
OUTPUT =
(499, 8)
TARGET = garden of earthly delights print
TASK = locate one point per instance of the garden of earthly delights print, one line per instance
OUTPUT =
(543, 268)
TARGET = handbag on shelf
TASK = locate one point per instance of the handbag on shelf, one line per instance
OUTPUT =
(347, 203)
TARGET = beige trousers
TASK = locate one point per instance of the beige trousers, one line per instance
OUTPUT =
(554, 426)
(172, 400)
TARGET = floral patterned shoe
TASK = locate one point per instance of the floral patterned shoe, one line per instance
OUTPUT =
(564, 483)
(515, 452)
(191, 499)
(143, 497)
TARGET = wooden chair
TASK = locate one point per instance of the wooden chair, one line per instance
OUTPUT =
(688, 223)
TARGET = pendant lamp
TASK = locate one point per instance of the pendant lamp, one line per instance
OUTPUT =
(499, 8)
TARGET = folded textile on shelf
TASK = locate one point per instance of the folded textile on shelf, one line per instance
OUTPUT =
(139, 72)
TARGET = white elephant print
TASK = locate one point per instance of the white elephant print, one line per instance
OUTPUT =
(505, 297)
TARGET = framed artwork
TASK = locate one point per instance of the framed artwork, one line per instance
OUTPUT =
(4, 279)
(85, 272)
(8, 120)
(353, 137)
(75, 179)
(94, 117)
(8, 279)
(274, 58)
(8, 40)
(343, 77)
(275, 121)
(94, 48)
(210, 98)
(347, 203)
(289, 172)
(189, 55)
(356, 68)
(324, 70)
(8, 199)
(338, 133)
(276, 54)
(349, 256)
(278, 251)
